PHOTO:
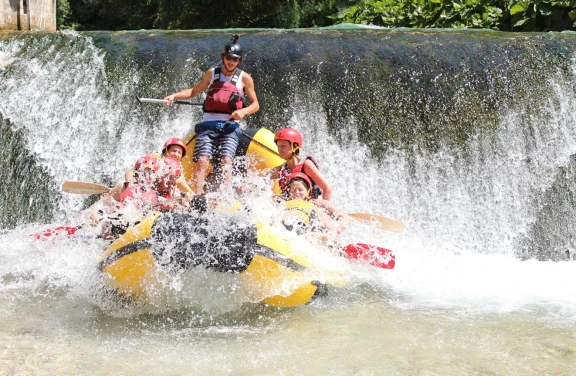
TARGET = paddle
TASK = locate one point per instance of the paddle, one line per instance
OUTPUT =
(67, 231)
(150, 100)
(373, 255)
(386, 224)
(83, 188)
(259, 143)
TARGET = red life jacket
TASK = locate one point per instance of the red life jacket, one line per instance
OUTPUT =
(137, 192)
(285, 172)
(223, 97)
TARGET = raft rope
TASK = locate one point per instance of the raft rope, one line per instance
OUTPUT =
(128, 249)
(144, 244)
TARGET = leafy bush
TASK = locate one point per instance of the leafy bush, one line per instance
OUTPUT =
(543, 15)
(522, 15)
(425, 13)
(62, 14)
(516, 15)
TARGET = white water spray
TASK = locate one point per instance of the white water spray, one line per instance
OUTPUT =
(464, 209)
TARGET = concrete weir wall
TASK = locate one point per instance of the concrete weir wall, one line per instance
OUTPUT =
(28, 15)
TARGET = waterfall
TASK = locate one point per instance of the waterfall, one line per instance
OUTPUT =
(466, 136)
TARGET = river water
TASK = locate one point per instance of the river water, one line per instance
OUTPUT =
(464, 297)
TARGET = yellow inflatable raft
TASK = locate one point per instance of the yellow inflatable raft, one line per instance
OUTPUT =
(268, 266)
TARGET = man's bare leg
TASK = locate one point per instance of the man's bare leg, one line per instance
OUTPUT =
(226, 171)
(201, 168)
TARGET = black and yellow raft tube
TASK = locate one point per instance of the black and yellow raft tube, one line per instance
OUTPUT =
(271, 271)
(256, 144)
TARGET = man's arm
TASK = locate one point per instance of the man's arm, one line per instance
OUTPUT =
(193, 92)
(252, 98)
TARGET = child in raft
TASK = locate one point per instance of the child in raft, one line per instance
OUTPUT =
(304, 214)
(289, 141)
(127, 204)
(173, 148)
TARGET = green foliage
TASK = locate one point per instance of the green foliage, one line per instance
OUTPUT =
(522, 15)
(425, 13)
(288, 17)
(199, 14)
(63, 12)
(317, 14)
(543, 15)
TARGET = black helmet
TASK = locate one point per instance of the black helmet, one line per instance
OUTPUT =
(233, 48)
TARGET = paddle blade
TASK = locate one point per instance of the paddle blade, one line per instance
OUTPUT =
(83, 188)
(386, 224)
(371, 254)
(60, 231)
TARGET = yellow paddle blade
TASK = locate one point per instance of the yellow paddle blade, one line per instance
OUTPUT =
(386, 224)
(83, 188)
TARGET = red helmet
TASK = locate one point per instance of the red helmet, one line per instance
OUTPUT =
(289, 134)
(169, 166)
(146, 162)
(174, 141)
(301, 176)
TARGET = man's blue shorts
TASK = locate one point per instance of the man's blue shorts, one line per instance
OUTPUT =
(216, 138)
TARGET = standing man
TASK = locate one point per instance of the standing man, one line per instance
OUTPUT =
(219, 132)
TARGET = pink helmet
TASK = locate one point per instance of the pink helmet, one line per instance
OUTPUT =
(174, 141)
(289, 134)
(169, 166)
